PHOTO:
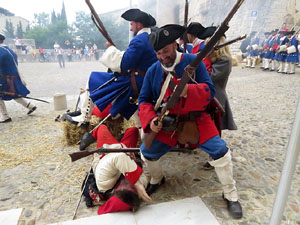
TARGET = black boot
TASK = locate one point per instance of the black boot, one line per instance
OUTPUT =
(32, 110)
(207, 166)
(86, 140)
(6, 121)
(153, 187)
(234, 208)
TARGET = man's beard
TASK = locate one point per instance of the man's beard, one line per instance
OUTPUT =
(170, 62)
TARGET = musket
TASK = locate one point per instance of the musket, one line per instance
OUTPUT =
(189, 70)
(186, 12)
(86, 179)
(81, 154)
(98, 22)
(21, 96)
(230, 42)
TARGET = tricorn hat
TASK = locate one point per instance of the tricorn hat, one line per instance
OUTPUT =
(290, 32)
(195, 28)
(137, 15)
(282, 32)
(165, 35)
(207, 32)
(267, 33)
(2, 36)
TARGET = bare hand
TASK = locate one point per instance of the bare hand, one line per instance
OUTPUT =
(155, 128)
(108, 44)
(142, 192)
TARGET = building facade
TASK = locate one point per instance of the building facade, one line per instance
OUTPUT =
(254, 15)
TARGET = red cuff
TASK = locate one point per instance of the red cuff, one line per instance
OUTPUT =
(146, 114)
(133, 176)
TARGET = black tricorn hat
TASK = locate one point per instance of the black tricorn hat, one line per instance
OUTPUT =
(267, 33)
(137, 15)
(290, 32)
(165, 35)
(283, 32)
(195, 28)
(208, 32)
(2, 37)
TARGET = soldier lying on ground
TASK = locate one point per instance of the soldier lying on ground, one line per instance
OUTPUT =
(116, 177)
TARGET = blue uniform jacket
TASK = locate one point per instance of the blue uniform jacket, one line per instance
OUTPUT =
(293, 57)
(139, 55)
(198, 97)
(254, 41)
(9, 71)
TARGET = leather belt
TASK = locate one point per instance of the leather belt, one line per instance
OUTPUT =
(133, 73)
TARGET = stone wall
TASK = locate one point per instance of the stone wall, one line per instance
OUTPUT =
(258, 15)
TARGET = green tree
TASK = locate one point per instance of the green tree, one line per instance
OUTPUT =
(39, 34)
(53, 17)
(41, 19)
(9, 29)
(87, 32)
(63, 15)
(20, 32)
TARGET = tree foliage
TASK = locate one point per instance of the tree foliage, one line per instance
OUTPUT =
(20, 31)
(63, 15)
(87, 32)
(9, 29)
(41, 19)
(82, 32)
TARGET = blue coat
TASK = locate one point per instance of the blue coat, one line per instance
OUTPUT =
(271, 43)
(281, 56)
(254, 41)
(9, 71)
(198, 97)
(293, 57)
(139, 55)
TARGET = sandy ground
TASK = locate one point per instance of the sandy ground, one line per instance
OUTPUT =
(37, 174)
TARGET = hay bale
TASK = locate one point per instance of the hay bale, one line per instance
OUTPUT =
(234, 61)
(239, 57)
(72, 134)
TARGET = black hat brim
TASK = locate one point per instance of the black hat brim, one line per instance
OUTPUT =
(2, 37)
(137, 15)
(165, 35)
(208, 32)
(195, 29)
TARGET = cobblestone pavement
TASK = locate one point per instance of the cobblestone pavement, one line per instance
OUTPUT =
(37, 174)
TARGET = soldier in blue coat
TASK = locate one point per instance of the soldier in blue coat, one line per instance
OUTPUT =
(11, 82)
(292, 53)
(196, 126)
(281, 52)
(252, 50)
(129, 67)
(264, 46)
(270, 53)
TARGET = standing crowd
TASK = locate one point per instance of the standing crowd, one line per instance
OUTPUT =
(279, 50)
